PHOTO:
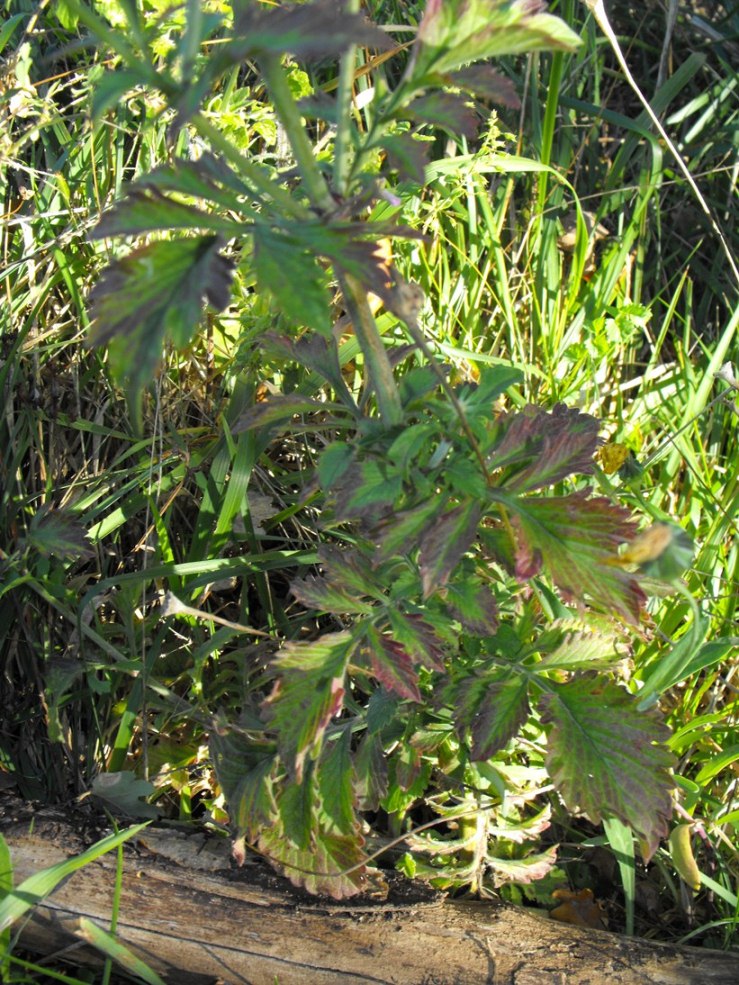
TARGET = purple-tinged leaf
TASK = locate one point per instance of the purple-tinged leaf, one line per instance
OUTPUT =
(444, 544)
(370, 764)
(581, 649)
(485, 82)
(473, 605)
(349, 570)
(296, 806)
(316, 592)
(399, 532)
(407, 156)
(445, 110)
(59, 534)
(309, 692)
(154, 294)
(390, 663)
(308, 31)
(366, 491)
(419, 638)
(332, 866)
(544, 447)
(607, 758)
(530, 868)
(245, 771)
(574, 539)
(493, 709)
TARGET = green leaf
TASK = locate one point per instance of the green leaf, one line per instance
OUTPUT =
(278, 409)
(145, 210)
(37, 887)
(6, 886)
(366, 491)
(444, 544)
(607, 758)
(543, 447)
(154, 294)
(309, 692)
(123, 793)
(473, 605)
(400, 532)
(453, 33)
(370, 765)
(493, 707)
(245, 771)
(574, 539)
(334, 463)
(109, 89)
(477, 399)
(295, 805)
(530, 868)
(335, 783)
(7, 30)
(391, 663)
(291, 274)
(579, 649)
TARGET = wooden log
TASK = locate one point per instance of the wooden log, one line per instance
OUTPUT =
(199, 921)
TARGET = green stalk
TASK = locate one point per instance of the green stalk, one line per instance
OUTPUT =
(342, 146)
(370, 341)
(287, 111)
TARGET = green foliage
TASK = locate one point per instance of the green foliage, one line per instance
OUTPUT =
(461, 604)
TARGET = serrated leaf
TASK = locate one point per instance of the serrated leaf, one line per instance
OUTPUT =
(486, 82)
(347, 568)
(332, 866)
(444, 544)
(296, 805)
(400, 532)
(316, 592)
(334, 463)
(308, 693)
(453, 33)
(335, 783)
(543, 447)
(313, 351)
(473, 605)
(367, 490)
(494, 708)
(244, 769)
(607, 758)
(574, 539)
(370, 765)
(59, 534)
(391, 663)
(406, 155)
(445, 110)
(145, 210)
(581, 649)
(308, 31)
(277, 409)
(530, 868)
(154, 294)
(419, 638)
(291, 274)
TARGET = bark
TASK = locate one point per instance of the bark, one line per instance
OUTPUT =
(197, 921)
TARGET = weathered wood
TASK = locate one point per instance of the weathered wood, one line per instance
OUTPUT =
(196, 927)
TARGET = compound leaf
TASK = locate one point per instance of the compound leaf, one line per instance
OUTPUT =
(493, 709)
(445, 542)
(575, 539)
(390, 663)
(606, 757)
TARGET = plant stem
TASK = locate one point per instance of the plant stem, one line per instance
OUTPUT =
(378, 365)
(287, 111)
(344, 111)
